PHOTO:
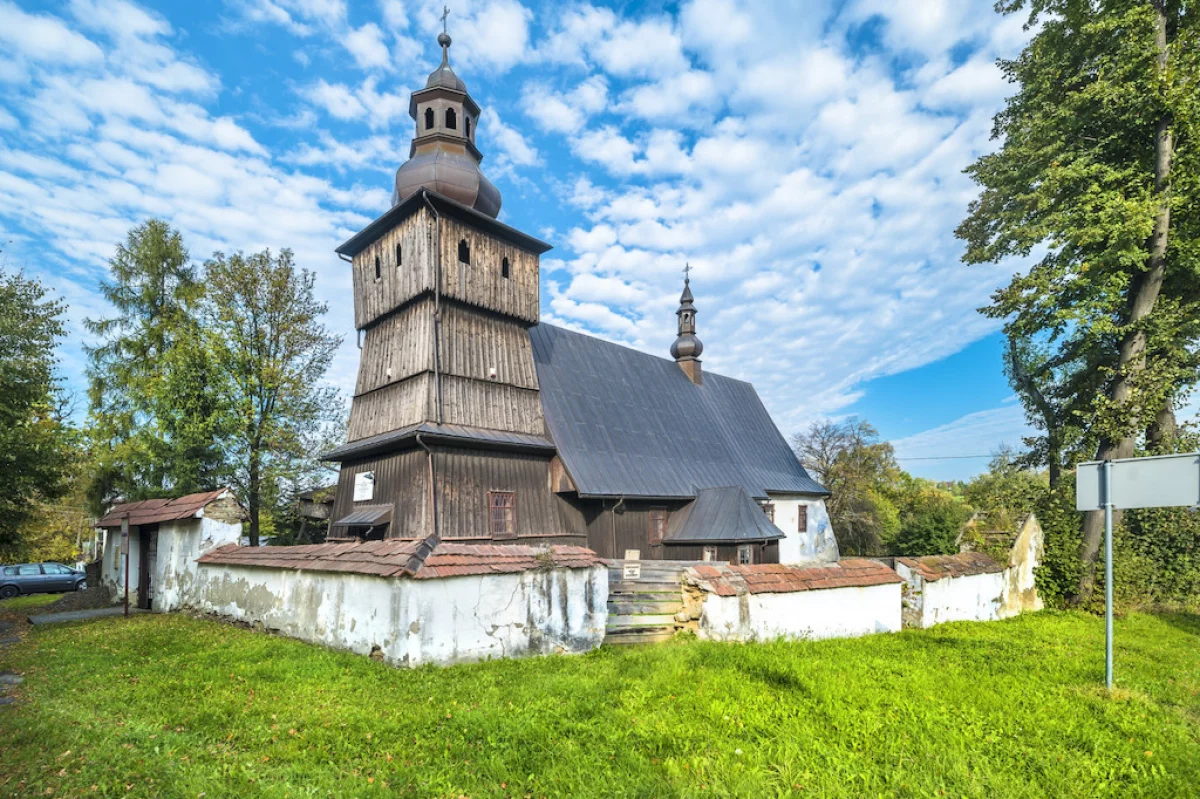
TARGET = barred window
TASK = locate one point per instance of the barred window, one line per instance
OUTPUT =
(745, 555)
(502, 514)
(802, 519)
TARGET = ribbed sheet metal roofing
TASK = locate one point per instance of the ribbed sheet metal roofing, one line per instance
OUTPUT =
(720, 514)
(778, 578)
(396, 558)
(366, 516)
(631, 424)
(155, 511)
(452, 433)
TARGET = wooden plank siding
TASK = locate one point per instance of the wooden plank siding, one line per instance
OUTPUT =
(397, 284)
(391, 407)
(401, 480)
(611, 534)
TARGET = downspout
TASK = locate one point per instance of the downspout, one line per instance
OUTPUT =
(433, 505)
(437, 305)
(358, 332)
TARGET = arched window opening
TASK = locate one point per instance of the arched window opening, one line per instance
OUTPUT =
(504, 268)
(399, 259)
(467, 126)
(451, 119)
(378, 274)
(428, 118)
(464, 251)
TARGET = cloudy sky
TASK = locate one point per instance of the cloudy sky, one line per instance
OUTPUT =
(805, 157)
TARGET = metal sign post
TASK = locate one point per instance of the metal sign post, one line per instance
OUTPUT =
(1160, 481)
(125, 552)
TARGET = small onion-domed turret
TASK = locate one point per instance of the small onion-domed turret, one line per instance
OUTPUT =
(686, 348)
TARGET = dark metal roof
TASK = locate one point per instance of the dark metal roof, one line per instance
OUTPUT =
(720, 515)
(631, 424)
(454, 434)
(366, 516)
(361, 240)
(155, 511)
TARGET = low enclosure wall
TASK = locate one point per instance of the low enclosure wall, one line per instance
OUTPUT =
(759, 602)
(409, 602)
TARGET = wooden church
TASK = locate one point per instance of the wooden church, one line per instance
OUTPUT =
(473, 421)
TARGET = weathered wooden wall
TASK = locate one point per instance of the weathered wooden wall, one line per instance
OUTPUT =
(401, 480)
(391, 407)
(611, 534)
(398, 283)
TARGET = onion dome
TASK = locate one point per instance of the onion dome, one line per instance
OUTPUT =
(686, 346)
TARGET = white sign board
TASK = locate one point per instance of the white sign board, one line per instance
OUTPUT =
(632, 571)
(364, 486)
(1160, 481)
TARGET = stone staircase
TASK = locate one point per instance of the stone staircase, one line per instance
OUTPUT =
(642, 610)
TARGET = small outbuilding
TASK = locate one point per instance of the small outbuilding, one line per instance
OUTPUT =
(166, 536)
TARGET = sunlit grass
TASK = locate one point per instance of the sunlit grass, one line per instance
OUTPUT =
(28, 601)
(173, 706)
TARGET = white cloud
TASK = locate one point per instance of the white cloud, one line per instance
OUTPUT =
(964, 446)
(564, 113)
(512, 146)
(336, 99)
(44, 38)
(368, 48)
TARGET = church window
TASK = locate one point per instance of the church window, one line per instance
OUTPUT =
(502, 514)
(399, 259)
(451, 119)
(709, 554)
(378, 274)
(504, 268)
(769, 510)
(802, 519)
(658, 525)
(428, 118)
(464, 251)
(467, 127)
(745, 555)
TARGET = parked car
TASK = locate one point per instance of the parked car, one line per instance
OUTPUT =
(40, 578)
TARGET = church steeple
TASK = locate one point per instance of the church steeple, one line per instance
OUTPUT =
(443, 156)
(687, 348)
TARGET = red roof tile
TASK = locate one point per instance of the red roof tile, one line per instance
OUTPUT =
(777, 578)
(398, 558)
(154, 511)
(964, 564)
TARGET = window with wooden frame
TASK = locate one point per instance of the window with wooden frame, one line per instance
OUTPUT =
(709, 554)
(658, 525)
(502, 514)
(745, 555)
(802, 519)
(768, 509)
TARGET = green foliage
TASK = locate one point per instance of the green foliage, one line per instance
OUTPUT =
(156, 407)
(35, 444)
(930, 518)
(171, 706)
(271, 351)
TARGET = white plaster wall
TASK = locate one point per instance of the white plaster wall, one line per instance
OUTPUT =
(112, 576)
(1020, 589)
(973, 598)
(441, 621)
(832, 613)
(179, 544)
(817, 544)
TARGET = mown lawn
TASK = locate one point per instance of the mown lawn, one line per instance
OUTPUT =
(28, 602)
(165, 706)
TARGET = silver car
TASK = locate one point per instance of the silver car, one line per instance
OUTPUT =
(40, 578)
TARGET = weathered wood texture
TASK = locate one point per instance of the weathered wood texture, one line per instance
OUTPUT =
(492, 405)
(401, 480)
(611, 534)
(471, 345)
(481, 282)
(391, 407)
(397, 283)
(464, 479)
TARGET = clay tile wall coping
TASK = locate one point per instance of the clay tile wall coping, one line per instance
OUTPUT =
(964, 564)
(777, 578)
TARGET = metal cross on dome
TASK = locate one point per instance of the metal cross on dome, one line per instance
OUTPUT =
(445, 13)
(687, 272)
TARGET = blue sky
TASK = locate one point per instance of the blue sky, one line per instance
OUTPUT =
(805, 158)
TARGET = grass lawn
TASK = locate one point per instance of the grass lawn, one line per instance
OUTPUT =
(28, 602)
(165, 706)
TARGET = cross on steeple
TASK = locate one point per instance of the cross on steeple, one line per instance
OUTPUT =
(445, 13)
(687, 272)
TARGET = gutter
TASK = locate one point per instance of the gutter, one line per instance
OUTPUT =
(437, 306)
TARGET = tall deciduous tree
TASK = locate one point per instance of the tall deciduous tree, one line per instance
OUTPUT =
(265, 328)
(859, 470)
(155, 412)
(34, 442)
(1098, 155)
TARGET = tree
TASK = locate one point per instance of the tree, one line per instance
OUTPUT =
(849, 460)
(155, 411)
(1098, 152)
(34, 441)
(931, 519)
(272, 352)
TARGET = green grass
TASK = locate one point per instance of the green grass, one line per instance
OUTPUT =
(28, 601)
(165, 706)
